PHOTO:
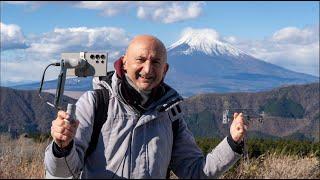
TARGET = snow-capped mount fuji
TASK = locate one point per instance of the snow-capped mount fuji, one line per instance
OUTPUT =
(200, 63)
(195, 42)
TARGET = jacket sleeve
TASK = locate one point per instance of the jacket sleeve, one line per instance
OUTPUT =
(188, 161)
(56, 166)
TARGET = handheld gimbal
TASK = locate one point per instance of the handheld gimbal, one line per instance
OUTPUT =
(249, 115)
(81, 64)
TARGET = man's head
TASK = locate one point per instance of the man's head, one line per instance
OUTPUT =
(145, 62)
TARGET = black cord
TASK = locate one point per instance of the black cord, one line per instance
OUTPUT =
(65, 159)
(41, 84)
(44, 72)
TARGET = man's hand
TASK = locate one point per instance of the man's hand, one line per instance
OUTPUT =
(238, 127)
(62, 131)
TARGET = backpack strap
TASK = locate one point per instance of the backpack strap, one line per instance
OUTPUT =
(175, 113)
(101, 113)
(175, 128)
(100, 117)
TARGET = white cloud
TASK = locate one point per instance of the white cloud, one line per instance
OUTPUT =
(151, 3)
(93, 4)
(32, 5)
(108, 8)
(12, 37)
(159, 11)
(295, 35)
(100, 4)
(25, 70)
(170, 13)
(205, 33)
(17, 2)
(231, 39)
(110, 12)
(28, 64)
(79, 39)
(165, 12)
(290, 47)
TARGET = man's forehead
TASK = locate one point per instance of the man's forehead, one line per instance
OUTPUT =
(145, 48)
(146, 44)
(145, 38)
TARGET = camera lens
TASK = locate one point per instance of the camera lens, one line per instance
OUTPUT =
(97, 56)
(103, 56)
(92, 56)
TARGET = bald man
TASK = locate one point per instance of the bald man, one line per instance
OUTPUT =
(142, 134)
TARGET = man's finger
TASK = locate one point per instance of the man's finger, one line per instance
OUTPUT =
(63, 115)
(71, 128)
(58, 129)
(59, 136)
(240, 124)
(58, 122)
(67, 126)
(235, 115)
(68, 133)
(239, 116)
(244, 119)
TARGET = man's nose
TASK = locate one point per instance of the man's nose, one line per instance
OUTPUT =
(147, 67)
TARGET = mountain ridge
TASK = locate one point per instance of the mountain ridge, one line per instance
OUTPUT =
(208, 108)
(26, 112)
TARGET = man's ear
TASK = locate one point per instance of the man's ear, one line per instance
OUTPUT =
(124, 62)
(166, 68)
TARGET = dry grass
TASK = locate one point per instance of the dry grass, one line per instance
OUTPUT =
(274, 166)
(23, 158)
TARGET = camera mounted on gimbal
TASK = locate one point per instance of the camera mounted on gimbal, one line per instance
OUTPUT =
(81, 64)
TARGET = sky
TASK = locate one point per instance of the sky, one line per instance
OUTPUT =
(34, 34)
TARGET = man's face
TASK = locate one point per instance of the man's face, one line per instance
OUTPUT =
(145, 63)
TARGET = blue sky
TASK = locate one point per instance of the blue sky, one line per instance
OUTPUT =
(282, 33)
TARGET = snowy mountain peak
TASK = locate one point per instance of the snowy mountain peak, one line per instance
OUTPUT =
(204, 40)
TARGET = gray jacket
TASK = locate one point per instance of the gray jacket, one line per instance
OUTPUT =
(133, 145)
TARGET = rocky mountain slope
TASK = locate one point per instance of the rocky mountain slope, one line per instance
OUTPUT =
(290, 112)
(24, 111)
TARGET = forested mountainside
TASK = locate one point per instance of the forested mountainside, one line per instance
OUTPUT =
(290, 112)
